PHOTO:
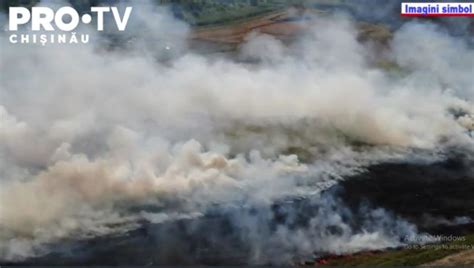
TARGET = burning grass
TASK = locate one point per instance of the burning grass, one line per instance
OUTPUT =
(408, 256)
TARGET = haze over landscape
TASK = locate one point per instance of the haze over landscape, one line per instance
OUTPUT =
(292, 132)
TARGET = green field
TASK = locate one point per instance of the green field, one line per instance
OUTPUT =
(205, 12)
(406, 256)
(199, 12)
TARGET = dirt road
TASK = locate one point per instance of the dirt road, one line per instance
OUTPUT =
(459, 259)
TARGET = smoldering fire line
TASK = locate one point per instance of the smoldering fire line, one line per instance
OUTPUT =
(101, 140)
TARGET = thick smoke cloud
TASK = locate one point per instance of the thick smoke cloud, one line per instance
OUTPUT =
(90, 134)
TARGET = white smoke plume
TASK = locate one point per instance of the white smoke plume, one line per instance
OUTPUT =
(88, 132)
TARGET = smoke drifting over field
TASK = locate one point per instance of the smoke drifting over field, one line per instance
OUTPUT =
(91, 137)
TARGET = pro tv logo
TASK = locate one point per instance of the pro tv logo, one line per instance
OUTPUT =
(64, 19)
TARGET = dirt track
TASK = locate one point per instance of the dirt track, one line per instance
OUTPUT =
(463, 258)
(276, 23)
(286, 25)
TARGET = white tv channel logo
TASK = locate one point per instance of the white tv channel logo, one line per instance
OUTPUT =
(65, 19)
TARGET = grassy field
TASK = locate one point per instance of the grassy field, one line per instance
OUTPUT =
(404, 257)
(218, 12)
(223, 12)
